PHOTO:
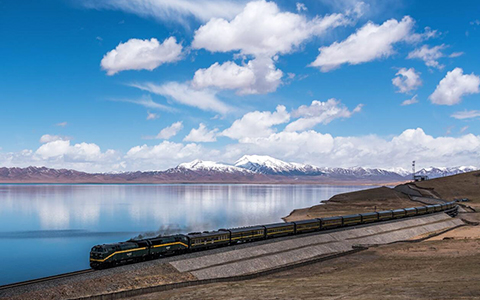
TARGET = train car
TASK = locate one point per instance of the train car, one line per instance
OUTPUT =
(351, 220)
(398, 213)
(437, 207)
(369, 217)
(421, 210)
(430, 209)
(331, 222)
(208, 239)
(246, 234)
(167, 245)
(411, 211)
(107, 255)
(279, 229)
(307, 225)
(385, 215)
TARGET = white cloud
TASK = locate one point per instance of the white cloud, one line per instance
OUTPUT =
(454, 86)
(321, 149)
(62, 124)
(466, 114)
(202, 134)
(138, 54)
(152, 116)
(146, 101)
(407, 80)
(163, 155)
(62, 151)
(367, 151)
(319, 112)
(429, 55)
(47, 138)
(184, 94)
(258, 76)
(301, 7)
(410, 101)
(456, 54)
(463, 129)
(169, 131)
(262, 29)
(176, 11)
(256, 124)
(369, 43)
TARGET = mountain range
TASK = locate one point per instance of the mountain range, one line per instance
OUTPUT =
(248, 169)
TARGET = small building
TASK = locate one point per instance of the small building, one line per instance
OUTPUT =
(420, 177)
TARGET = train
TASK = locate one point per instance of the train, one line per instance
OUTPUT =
(110, 255)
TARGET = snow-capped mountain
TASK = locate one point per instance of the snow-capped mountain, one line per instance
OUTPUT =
(248, 169)
(271, 166)
(361, 173)
(434, 172)
(207, 166)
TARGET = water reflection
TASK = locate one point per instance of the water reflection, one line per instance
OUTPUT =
(62, 222)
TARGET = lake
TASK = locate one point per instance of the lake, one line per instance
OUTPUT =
(50, 229)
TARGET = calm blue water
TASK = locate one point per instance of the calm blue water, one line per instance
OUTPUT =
(49, 229)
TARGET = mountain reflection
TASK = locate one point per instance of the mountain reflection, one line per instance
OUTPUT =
(149, 207)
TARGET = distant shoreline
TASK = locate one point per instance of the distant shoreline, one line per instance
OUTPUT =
(333, 183)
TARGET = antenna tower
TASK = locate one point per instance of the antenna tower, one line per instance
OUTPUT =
(413, 170)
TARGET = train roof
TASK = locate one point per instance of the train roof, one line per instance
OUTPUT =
(241, 229)
(369, 214)
(274, 225)
(351, 216)
(306, 221)
(205, 234)
(332, 218)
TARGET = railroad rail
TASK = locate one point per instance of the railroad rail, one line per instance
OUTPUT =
(44, 279)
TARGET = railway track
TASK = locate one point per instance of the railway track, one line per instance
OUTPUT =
(44, 279)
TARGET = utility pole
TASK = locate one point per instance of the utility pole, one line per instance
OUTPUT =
(413, 170)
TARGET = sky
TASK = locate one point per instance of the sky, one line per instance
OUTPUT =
(117, 85)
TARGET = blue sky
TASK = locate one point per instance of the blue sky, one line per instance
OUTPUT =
(146, 84)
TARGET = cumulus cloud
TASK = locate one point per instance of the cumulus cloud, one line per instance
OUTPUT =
(47, 138)
(370, 42)
(367, 151)
(201, 134)
(407, 80)
(262, 29)
(184, 94)
(258, 76)
(410, 101)
(319, 112)
(454, 86)
(138, 54)
(466, 114)
(62, 151)
(321, 149)
(429, 55)
(168, 132)
(176, 11)
(163, 155)
(256, 124)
